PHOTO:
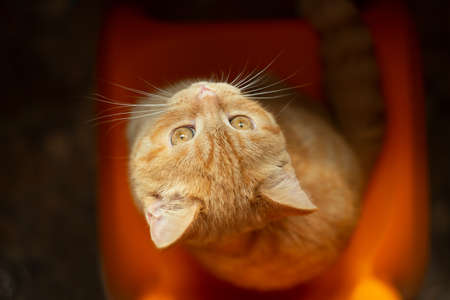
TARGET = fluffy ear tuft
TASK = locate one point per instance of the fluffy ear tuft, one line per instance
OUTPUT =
(284, 189)
(169, 220)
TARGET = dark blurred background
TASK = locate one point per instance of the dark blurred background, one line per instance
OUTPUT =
(48, 247)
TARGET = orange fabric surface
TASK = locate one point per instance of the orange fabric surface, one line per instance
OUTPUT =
(389, 248)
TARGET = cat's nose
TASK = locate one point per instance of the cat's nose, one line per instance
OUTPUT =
(205, 92)
(208, 99)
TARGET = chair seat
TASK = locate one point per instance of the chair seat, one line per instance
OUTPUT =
(388, 250)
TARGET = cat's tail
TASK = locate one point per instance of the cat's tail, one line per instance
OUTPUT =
(351, 77)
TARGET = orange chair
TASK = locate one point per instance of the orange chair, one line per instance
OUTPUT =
(388, 252)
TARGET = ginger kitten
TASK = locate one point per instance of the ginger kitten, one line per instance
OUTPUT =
(262, 202)
(243, 191)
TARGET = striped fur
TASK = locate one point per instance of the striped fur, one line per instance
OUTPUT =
(222, 170)
(238, 233)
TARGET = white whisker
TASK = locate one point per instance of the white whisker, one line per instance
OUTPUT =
(268, 97)
(167, 93)
(228, 75)
(284, 107)
(274, 91)
(237, 78)
(143, 93)
(251, 83)
(245, 78)
(260, 72)
(111, 101)
(130, 118)
(122, 113)
(270, 85)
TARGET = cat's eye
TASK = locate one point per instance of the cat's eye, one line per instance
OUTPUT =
(181, 135)
(241, 123)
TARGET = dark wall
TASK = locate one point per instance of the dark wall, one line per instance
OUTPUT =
(47, 208)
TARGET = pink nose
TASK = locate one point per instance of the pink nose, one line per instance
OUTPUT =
(206, 92)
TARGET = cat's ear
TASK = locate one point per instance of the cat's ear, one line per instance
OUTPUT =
(284, 190)
(168, 221)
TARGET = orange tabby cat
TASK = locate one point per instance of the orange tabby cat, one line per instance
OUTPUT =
(263, 203)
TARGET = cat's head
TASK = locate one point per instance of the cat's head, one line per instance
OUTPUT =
(214, 163)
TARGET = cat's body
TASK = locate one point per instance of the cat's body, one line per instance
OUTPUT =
(228, 173)
(296, 248)
(262, 202)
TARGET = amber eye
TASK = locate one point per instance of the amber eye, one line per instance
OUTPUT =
(181, 135)
(241, 123)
